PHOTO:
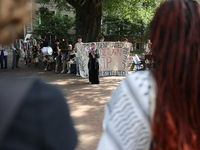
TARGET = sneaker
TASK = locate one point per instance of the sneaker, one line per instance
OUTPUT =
(5, 69)
(90, 82)
(56, 72)
(69, 72)
(25, 63)
(62, 71)
(77, 75)
(45, 69)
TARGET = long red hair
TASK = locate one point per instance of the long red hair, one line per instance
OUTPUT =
(175, 34)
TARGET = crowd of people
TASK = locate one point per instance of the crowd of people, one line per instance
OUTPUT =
(149, 110)
(52, 58)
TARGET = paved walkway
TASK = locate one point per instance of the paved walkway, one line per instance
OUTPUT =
(86, 101)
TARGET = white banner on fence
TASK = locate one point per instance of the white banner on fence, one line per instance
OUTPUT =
(114, 58)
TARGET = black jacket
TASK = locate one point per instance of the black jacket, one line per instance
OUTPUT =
(97, 56)
(43, 122)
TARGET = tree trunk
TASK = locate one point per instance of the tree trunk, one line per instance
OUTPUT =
(88, 21)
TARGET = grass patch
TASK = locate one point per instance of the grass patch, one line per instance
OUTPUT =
(137, 52)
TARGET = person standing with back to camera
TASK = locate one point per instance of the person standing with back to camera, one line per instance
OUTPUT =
(160, 109)
(93, 65)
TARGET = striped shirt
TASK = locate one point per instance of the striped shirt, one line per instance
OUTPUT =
(127, 114)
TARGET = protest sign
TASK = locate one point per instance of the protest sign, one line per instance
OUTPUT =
(113, 58)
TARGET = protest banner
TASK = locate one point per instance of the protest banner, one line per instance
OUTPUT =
(114, 58)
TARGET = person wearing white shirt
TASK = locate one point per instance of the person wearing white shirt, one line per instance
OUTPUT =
(77, 54)
(3, 54)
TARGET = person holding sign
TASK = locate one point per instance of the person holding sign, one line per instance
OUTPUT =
(93, 65)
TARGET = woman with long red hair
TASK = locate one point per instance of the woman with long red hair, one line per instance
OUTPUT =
(160, 110)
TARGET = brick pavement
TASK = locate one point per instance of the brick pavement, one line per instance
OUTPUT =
(86, 101)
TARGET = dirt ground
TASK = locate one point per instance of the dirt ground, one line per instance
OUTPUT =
(86, 101)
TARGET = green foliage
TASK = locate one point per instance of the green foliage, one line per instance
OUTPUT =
(124, 17)
(137, 52)
(52, 24)
(134, 15)
(122, 27)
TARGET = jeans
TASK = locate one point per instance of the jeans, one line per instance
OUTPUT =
(69, 64)
(5, 59)
(17, 60)
(77, 66)
(64, 64)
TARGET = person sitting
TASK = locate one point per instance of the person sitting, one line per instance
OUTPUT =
(45, 42)
(29, 56)
(48, 62)
(68, 58)
(71, 57)
(35, 55)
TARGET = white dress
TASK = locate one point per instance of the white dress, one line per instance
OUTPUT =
(127, 114)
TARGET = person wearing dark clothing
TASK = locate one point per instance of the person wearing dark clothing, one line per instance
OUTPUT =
(56, 53)
(3, 55)
(34, 51)
(42, 120)
(41, 43)
(93, 65)
(45, 43)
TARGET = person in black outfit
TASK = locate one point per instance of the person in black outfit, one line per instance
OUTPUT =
(93, 65)
(41, 46)
(45, 43)
(42, 121)
(56, 53)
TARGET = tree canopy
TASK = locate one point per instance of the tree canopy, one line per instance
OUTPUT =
(134, 17)
(47, 23)
(89, 13)
(120, 28)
